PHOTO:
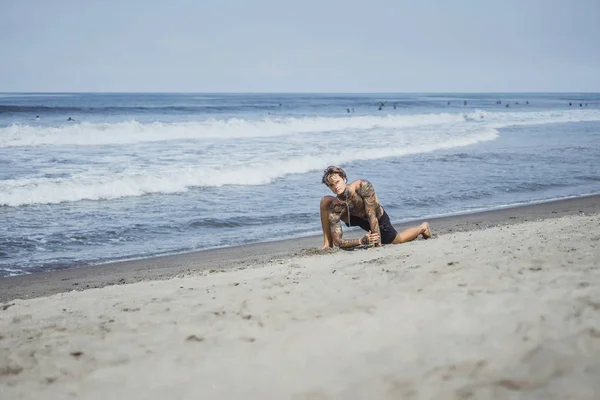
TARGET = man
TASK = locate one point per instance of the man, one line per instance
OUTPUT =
(357, 204)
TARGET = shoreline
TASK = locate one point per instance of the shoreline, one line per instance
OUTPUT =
(170, 266)
(505, 312)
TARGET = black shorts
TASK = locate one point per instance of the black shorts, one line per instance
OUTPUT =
(386, 230)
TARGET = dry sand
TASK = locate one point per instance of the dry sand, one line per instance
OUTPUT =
(511, 311)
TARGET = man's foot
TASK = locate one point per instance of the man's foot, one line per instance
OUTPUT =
(426, 232)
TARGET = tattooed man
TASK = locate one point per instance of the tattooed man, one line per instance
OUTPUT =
(357, 204)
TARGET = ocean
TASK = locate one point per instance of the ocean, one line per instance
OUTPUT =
(89, 178)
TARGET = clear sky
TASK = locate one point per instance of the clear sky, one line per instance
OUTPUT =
(300, 46)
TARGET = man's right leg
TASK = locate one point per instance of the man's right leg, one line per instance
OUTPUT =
(325, 203)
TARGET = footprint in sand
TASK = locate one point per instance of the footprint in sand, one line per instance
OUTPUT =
(10, 370)
(19, 318)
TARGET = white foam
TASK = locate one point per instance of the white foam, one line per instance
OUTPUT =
(139, 181)
(176, 166)
(34, 95)
(87, 134)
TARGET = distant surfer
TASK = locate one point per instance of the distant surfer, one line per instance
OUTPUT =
(70, 119)
(357, 204)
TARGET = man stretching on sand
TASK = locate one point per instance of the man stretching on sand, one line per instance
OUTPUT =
(358, 203)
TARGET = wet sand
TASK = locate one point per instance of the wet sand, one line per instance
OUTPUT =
(166, 267)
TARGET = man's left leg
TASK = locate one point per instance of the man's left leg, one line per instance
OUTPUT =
(412, 233)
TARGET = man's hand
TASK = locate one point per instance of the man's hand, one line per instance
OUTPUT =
(371, 239)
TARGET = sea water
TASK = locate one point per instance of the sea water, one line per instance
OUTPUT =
(91, 178)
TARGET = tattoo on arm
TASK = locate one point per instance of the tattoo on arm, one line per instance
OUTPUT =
(338, 236)
(367, 192)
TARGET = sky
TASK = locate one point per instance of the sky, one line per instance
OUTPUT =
(300, 46)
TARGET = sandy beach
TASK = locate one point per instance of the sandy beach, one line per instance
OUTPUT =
(503, 304)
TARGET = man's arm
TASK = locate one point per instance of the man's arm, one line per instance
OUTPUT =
(367, 192)
(338, 236)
